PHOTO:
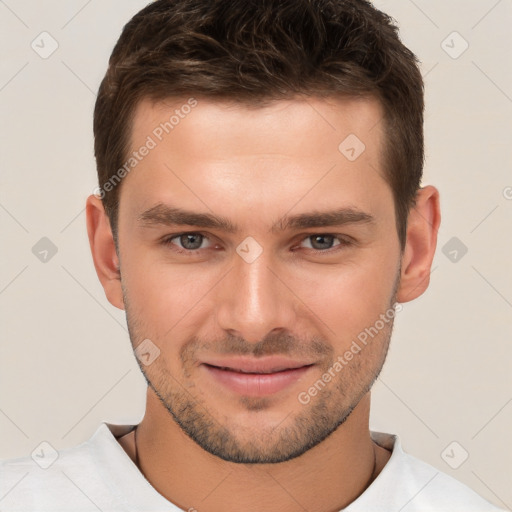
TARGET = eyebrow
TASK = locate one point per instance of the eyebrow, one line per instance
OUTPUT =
(162, 214)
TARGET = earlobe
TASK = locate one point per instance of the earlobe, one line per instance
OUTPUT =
(422, 227)
(104, 255)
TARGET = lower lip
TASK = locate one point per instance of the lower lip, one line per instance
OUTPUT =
(253, 384)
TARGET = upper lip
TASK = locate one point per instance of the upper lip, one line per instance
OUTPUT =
(249, 364)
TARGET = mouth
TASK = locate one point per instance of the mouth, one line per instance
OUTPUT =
(256, 377)
(262, 372)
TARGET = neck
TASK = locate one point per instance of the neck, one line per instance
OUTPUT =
(328, 477)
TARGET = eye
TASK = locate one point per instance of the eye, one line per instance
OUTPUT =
(192, 243)
(186, 242)
(323, 242)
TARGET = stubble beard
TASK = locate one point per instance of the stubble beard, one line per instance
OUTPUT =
(295, 434)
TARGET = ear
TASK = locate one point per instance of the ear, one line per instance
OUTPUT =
(103, 250)
(422, 227)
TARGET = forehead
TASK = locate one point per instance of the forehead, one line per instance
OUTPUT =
(280, 126)
(208, 154)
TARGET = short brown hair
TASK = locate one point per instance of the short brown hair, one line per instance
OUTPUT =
(256, 51)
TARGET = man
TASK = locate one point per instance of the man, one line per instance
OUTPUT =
(260, 219)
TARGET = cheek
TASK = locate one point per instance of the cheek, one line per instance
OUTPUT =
(163, 295)
(347, 299)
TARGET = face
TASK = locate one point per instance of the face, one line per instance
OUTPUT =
(253, 254)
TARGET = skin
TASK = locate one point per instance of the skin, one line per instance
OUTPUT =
(254, 166)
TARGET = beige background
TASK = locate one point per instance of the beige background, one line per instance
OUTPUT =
(65, 358)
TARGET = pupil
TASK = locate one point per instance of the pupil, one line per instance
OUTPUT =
(188, 241)
(323, 244)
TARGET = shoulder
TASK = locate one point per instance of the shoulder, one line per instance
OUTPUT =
(414, 485)
(50, 480)
(438, 491)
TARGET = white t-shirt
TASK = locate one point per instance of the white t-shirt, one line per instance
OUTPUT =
(98, 475)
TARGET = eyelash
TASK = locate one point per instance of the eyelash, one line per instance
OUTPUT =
(167, 241)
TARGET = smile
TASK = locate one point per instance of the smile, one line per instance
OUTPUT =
(251, 382)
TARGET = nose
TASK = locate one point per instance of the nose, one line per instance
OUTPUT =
(253, 300)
